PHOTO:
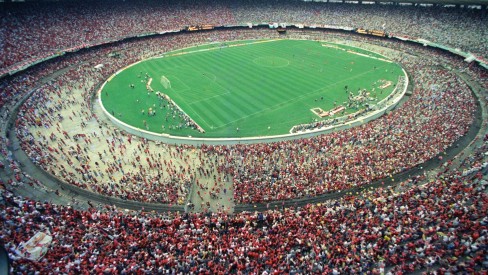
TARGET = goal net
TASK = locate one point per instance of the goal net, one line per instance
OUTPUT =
(165, 82)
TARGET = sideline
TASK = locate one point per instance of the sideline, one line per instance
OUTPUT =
(215, 48)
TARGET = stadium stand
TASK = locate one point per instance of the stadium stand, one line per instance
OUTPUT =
(433, 221)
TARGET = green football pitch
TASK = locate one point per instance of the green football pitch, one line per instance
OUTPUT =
(245, 88)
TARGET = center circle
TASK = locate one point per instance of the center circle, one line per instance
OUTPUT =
(271, 61)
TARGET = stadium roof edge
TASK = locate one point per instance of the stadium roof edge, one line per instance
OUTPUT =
(435, 2)
(439, 2)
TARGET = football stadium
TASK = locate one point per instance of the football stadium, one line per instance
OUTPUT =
(244, 137)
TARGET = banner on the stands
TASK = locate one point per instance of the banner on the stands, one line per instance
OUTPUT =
(35, 248)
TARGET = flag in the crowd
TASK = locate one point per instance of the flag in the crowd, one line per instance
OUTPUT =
(35, 248)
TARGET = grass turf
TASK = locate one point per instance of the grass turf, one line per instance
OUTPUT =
(260, 87)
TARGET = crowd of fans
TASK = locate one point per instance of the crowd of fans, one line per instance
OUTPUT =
(61, 135)
(434, 24)
(419, 130)
(439, 112)
(30, 35)
(439, 225)
(30, 32)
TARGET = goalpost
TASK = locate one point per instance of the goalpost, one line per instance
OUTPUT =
(165, 82)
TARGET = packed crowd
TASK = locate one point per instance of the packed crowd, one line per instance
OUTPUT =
(439, 112)
(14, 88)
(427, 224)
(62, 135)
(30, 32)
(441, 226)
(434, 24)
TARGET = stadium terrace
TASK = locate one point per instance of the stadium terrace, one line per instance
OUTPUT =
(403, 191)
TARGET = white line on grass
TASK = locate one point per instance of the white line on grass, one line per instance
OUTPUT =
(208, 98)
(202, 119)
(186, 86)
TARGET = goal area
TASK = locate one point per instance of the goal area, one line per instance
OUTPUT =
(165, 82)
